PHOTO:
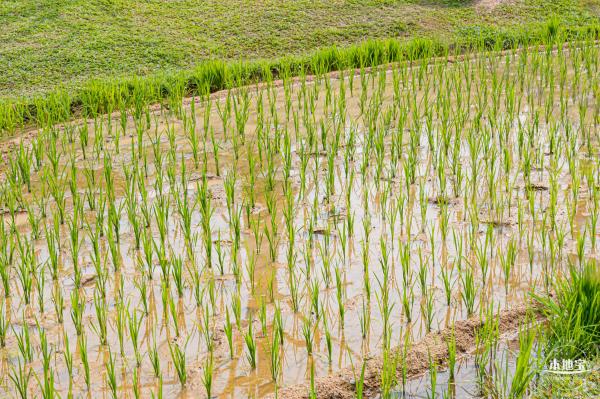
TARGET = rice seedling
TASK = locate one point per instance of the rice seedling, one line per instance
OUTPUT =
(101, 326)
(24, 344)
(508, 261)
(278, 323)
(20, 376)
(228, 329)
(365, 320)
(388, 374)
(25, 277)
(136, 384)
(179, 362)
(120, 325)
(111, 376)
(451, 344)
(177, 273)
(77, 310)
(427, 309)
(314, 298)
(446, 275)
(83, 354)
(134, 324)
(340, 294)
(262, 315)
(312, 393)
(251, 268)
(47, 388)
(307, 333)
(59, 305)
(468, 290)
(250, 346)
(207, 376)
(207, 329)
(154, 360)
(3, 327)
(328, 342)
(525, 368)
(68, 359)
(171, 309)
(432, 378)
(237, 310)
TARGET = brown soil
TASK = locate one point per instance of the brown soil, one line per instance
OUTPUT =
(341, 385)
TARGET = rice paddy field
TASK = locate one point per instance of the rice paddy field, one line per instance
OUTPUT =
(328, 235)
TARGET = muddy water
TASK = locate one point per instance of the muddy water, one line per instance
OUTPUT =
(389, 218)
(466, 383)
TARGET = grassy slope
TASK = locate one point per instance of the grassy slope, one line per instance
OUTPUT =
(45, 43)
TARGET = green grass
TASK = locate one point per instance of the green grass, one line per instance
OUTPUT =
(574, 315)
(45, 43)
(61, 60)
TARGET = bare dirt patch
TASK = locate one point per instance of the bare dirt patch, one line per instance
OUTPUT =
(489, 4)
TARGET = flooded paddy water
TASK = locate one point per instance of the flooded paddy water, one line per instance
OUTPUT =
(268, 236)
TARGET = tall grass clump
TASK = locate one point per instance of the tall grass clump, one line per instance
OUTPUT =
(574, 313)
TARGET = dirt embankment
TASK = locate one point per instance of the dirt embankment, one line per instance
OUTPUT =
(342, 384)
